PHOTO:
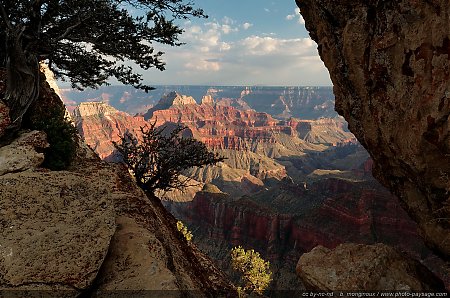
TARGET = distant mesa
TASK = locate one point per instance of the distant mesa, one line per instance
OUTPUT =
(281, 102)
(94, 108)
(173, 99)
(207, 100)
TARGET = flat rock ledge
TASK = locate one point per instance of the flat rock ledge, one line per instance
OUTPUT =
(56, 227)
(55, 230)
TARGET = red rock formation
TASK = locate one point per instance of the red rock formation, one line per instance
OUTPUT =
(100, 125)
(350, 212)
(220, 127)
(389, 62)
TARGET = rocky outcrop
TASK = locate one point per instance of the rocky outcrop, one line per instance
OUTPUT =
(100, 124)
(389, 62)
(89, 229)
(146, 251)
(207, 100)
(98, 109)
(94, 228)
(358, 267)
(56, 230)
(24, 153)
(322, 131)
(169, 100)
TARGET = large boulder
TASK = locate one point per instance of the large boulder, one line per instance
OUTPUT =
(147, 251)
(56, 229)
(358, 267)
(389, 62)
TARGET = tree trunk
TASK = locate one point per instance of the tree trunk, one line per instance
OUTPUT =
(22, 82)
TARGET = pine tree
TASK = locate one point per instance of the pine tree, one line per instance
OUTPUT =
(84, 41)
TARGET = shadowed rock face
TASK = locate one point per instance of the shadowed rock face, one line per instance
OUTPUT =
(390, 65)
(364, 267)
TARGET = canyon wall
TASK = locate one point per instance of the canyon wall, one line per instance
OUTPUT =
(307, 183)
(251, 141)
(390, 65)
(328, 213)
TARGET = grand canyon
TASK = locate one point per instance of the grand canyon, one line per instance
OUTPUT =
(292, 179)
(343, 186)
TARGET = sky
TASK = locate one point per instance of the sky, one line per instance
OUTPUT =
(243, 42)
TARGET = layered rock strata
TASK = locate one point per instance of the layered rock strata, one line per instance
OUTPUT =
(289, 221)
(219, 126)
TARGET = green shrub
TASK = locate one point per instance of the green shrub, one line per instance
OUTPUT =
(256, 274)
(62, 137)
(183, 229)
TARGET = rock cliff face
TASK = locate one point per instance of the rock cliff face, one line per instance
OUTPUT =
(102, 125)
(89, 229)
(389, 62)
(289, 221)
(218, 126)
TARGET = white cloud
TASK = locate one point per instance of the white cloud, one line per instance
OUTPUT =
(228, 21)
(227, 29)
(265, 45)
(296, 15)
(225, 47)
(258, 59)
(266, 10)
(203, 65)
(246, 25)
